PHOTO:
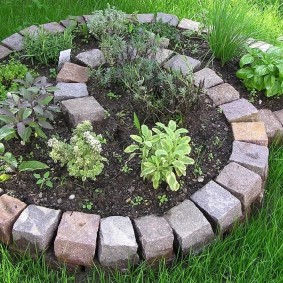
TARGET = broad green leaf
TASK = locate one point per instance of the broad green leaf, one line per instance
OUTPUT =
(37, 176)
(145, 131)
(172, 125)
(2, 148)
(246, 59)
(180, 165)
(49, 184)
(261, 70)
(10, 159)
(244, 73)
(171, 181)
(46, 100)
(32, 165)
(161, 152)
(27, 112)
(131, 148)
(46, 174)
(148, 144)
(147, 171)
(6, 132)
(136, 138)
(40, 133)
(38, 109)
(45, 125)
(7, 119)
(39, 182)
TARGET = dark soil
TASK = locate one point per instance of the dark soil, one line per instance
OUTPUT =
(120, 190)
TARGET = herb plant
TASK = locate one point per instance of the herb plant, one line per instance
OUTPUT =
(263, 70)
(164, 153)
(44, 180)
(82, 155)
(28, 110)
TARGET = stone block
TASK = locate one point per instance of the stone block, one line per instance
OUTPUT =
(187, 24)
(183, 63)
(75, 242)
(31, 31)
(81, 109)
(272, 125)
(219, 205)
(4, 52)
(243, 183)
(64, 57)
(240, 110)
(87, 17)
(261, 45)
(252, 132)
(222, 94)
(169, 19)
(92, 58)
(252, 156)
(208, 77)
(14, 42)
(155, 236)
(10, 209)
(70, 90)
(35, 228)
(162, 55)
(53, 27)
(279, 115)
(73, 73)
(145, 18)
(117, 243)
(191, 228)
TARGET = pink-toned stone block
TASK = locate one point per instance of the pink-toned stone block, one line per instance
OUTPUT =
(73, 73)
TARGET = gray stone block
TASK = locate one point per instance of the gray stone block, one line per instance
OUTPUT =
(92, 58)
(70, 90)
(64, 56)
(117, 246)
(279, 115)
(240, 110)
(4, 52)
(272, 125)
(183, 63)
(31, 31)
(155, 236)
(220, 205)
(35, 228)
(261, 45)
(222, 94)
(191, 228)
(53, 27)
(243, 183)
(162, 55)
(78, 110)
(169, 19)
(252, 156)
(187, 24)
(208, 77)
(145, 18)
(14, 42)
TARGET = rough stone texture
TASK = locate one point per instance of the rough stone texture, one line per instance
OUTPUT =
(222, 94)
(156, 237)
(14, 41)
(241, 182)
(64, 57)
(279, 115)
(252, 156)
(32, 31)
(53, 27)
(253, 132)
(189, 25)
(68, 23)
(92, 58)
(221, 206)
(4, 52)
(164, 42)
(261, 45)
(208, 77)
(73, 73)
(1, 191)
(80, 109)
(192, 229)
(117, 243)
(170, 19)
(75, 242)
(35, 228)
(145, 18)
(10, 209)
(272, 125)
(162, 55)
(240, 111)
(70, 90)
(183, 63)
(87, 17)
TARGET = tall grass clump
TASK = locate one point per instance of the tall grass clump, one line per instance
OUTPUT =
(229, 26)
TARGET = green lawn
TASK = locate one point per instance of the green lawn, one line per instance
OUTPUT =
(253, 252)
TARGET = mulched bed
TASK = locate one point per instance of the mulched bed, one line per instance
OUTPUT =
(119, 190)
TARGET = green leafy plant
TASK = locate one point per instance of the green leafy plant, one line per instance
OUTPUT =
(44, 180)
(263, 70)
(45, 47)
(164, 153)
(162, 199)
(82, 155)
(28, 110)
(136, 201)
(88, 205)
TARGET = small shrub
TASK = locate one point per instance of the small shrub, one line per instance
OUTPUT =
(109, 21)
(263, 70)
(28, 110)
(164, 153)
(45, 47)
(82, 155)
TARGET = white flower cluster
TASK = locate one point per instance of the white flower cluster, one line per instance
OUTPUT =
(92, 141)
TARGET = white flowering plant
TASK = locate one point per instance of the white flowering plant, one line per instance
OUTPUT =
(82, 155)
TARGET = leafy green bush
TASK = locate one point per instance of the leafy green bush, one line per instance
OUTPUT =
(45, 47)
(229, 26)
(82, 155)
(263, 70)
(164, 153)
(28, 109)
(8, 73)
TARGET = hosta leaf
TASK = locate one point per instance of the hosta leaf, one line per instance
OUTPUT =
(171, 181)
(32, 165)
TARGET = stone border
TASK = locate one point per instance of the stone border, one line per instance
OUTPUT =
(81, 239)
